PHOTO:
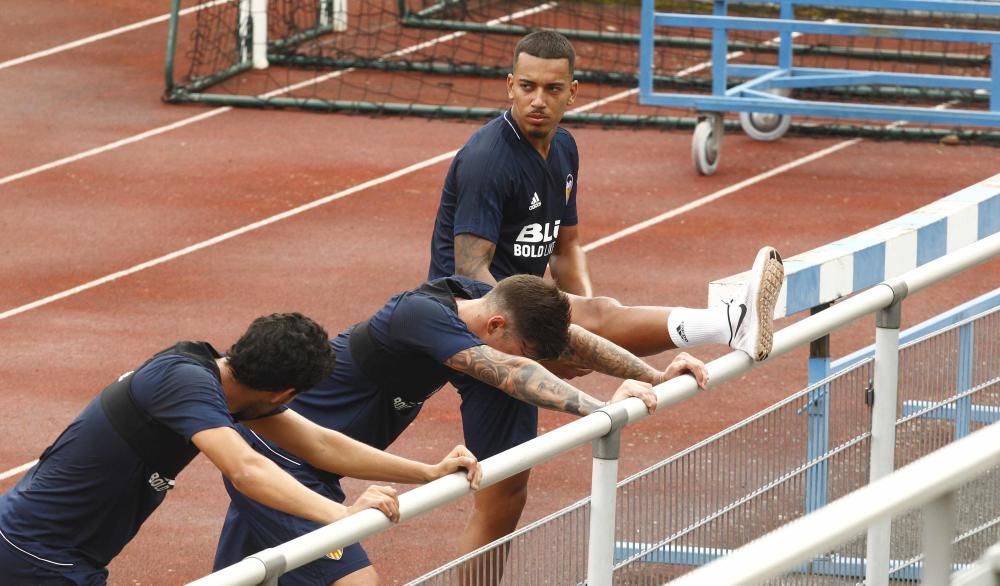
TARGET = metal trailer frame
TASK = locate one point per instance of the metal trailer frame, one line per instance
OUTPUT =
(762, 100)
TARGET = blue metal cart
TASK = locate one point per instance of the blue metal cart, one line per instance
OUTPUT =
(762, 94)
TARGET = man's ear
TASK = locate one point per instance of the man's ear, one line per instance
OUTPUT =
(282, 397)
(574, 86)
(495, 323)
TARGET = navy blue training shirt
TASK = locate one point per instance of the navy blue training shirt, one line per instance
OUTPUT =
(499, 188)
(413, 325)
(90, 493)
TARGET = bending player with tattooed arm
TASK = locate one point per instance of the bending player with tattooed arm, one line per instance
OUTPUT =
(388, 365)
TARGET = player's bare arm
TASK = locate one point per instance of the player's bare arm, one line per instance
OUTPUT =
(568, 263)
(261, 479)
(594, 352)
(337, 453)
(473, 256)
(528, 381)
(523, 379)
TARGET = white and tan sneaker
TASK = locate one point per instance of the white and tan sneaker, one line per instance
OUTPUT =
(751, 322)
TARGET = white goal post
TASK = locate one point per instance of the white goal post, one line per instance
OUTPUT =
(252, 27)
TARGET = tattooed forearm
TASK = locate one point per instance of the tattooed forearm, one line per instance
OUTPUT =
(473, 256)
(523, 379)
(594, 352)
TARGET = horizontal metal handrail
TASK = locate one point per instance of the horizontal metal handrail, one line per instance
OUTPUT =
(302, 550)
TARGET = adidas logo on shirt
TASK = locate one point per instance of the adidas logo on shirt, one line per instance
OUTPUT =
(535, 202)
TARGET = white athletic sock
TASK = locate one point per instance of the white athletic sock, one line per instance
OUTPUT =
(694, 327)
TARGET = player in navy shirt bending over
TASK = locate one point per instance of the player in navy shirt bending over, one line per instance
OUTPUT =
(111, 468)
(509, 207)
(388, 365)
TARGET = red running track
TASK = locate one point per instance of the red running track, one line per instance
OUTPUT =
(83, 220)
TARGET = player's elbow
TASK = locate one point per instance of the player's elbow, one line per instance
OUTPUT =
(245, 474)
(474, 270)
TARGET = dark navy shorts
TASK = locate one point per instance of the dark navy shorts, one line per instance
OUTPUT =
(251, 527)
(492, 420)
(17, 567)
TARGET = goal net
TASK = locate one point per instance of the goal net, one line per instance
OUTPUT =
(449, 57)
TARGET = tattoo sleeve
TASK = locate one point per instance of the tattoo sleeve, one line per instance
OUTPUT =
(473, 256)
(524, 379)
(594, 352)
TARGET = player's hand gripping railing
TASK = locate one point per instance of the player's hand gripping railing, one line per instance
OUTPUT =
(266, 566)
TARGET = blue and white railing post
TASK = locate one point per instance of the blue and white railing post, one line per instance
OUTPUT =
(817, 278)
(883, 442)
(603, 495)
(963, 406)
(817, 423)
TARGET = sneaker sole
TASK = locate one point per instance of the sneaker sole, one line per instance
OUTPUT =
(770, 272)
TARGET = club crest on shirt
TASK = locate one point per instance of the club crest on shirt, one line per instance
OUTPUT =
(569, 186)
(336, 554)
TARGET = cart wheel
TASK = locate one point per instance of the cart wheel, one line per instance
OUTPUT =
(763, 126)
(705, 147)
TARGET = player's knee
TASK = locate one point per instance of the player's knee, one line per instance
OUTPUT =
(505, 506)
(507, 501)
(514, 501)
(593, 313)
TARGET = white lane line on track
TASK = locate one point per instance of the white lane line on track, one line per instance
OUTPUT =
(228, 235)
(105, 35)
(233, 233)
(378, 181)
(18, 470)
(114, 145)
(391, 176)
(395, 175)
(215, 112)
(692, 205)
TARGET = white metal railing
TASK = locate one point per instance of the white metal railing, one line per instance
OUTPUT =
(884, 299)
(985, 572)
(749, 479)
(929, 482)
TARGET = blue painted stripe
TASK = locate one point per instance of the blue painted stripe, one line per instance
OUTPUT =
(989, 216)
(932, 241)
(827, 565)
(803, 290)
(980, 414)
(869, 267)
(930, 225)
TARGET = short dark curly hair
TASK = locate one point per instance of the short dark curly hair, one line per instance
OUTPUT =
(539, 312)
(282, 351)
